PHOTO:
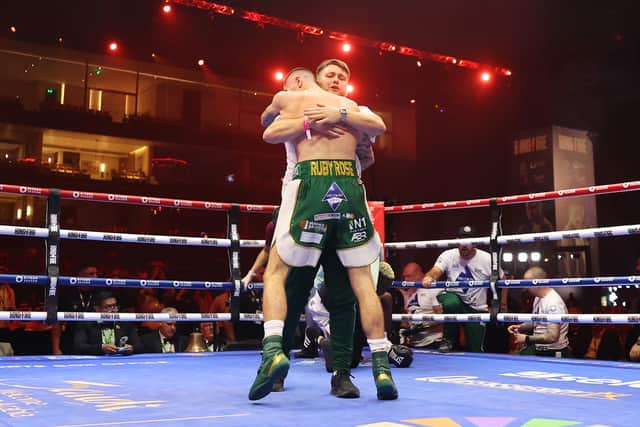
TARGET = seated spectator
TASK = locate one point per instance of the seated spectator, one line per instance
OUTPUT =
(420, 301)
(7, 303)
(72, 299)
(597, 342)
(165, 339)
(542, 339)
(212, 342)
(106, 337)
(466, 263)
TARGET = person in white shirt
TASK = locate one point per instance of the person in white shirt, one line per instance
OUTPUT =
(466, 263)
(543, 339)
(420, 301)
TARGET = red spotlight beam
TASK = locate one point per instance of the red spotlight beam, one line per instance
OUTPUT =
(384, 46)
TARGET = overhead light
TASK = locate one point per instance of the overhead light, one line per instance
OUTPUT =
(507, 257)
(536, 256)
(523, 256)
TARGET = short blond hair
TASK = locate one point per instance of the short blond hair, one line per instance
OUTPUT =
(337, 62)
(301, 71)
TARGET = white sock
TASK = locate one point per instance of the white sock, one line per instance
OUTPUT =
(273, 327)
(388, 344)
(379, 344)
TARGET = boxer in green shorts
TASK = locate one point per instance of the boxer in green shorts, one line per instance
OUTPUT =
(333, 217)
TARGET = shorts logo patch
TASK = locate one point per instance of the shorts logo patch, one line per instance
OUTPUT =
(326, 216)
(359, 236)
(307, 237)
(313, 226)
(357, 224)
(335, 196)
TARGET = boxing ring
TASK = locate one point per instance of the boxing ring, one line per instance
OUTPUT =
(205, 389)
(210, 389)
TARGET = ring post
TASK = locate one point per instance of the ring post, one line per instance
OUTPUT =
(234, 260)
(496, 250)
(53, 252)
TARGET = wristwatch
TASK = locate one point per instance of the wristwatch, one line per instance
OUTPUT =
(343, 114)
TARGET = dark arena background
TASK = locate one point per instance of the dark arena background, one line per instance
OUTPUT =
(132, 162)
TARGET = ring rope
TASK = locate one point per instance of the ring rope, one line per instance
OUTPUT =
(569, 318)
(253, 317)
(602, 281)
(532, 283)
(134, 200)
(586, 233)
(153, 239)
(516, 199)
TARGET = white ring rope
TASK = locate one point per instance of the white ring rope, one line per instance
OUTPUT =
(586, 233)
(152, 239)
(253, 317)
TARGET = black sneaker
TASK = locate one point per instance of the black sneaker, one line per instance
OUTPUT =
(341, 385)
(327, 353)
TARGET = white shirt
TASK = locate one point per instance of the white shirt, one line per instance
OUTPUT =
(461, 270)
(422, 301)
(292, 156)
(551, 303)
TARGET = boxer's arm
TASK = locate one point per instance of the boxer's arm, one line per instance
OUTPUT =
(272, 110)
(366, 122)
(268, 115)
(283, 130)
(364, 151)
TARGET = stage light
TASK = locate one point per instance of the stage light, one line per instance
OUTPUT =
(60, 39)
(113, 46)
(346, 47)
(485, 77)
(166, 8)
(201, 62)
(508, 72)
(419, 63)
(350, 88)
(413, 101)
(279, 75)
(12, 29)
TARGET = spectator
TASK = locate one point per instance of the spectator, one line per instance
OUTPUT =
(72, 299)
(542, 339)
(633, 344)
(420, 301)
(466, 263)
(106, 337)
(165, 339)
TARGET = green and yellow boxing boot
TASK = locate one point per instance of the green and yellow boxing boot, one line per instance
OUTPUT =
(382, 375)
(274, 367)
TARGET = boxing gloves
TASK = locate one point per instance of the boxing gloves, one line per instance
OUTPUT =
(401, 356)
